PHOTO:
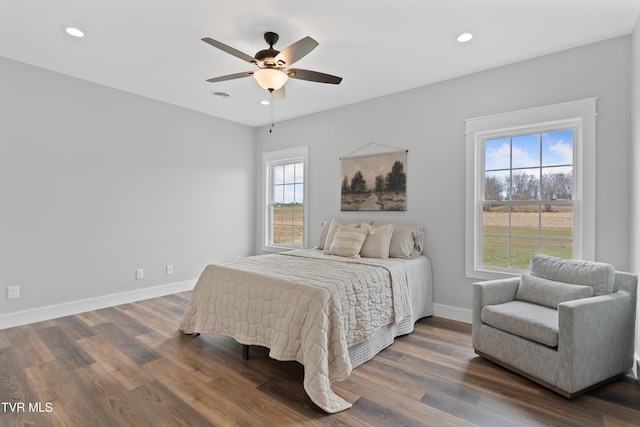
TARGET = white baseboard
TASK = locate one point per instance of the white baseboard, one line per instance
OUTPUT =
(74, 307)
(452, 313)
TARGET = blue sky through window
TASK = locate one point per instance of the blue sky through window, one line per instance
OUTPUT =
(525, 150)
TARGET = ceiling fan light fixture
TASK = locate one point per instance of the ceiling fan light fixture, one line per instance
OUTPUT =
(270, 78)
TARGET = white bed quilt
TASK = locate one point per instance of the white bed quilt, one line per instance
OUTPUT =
(303, 306)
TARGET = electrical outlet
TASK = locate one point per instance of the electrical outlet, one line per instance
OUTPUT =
(139, 273)
(169, 268)
(13, 292)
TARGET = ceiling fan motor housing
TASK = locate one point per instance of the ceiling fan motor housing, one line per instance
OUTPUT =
(267, 56)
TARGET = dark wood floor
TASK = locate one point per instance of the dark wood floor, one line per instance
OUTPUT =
(130, 366)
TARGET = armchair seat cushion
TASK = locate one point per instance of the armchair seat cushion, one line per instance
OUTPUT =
(524, 319)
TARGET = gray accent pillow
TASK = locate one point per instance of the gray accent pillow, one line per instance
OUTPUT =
(548, 292)
(407, 241)
(598, 275)
(377, 243)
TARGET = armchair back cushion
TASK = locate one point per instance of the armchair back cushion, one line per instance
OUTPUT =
(598, 275)
(549, 292)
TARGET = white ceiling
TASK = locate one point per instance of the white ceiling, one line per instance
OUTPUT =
(153, 48)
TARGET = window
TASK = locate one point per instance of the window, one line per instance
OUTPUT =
(527, 202)
(527, 192)
(285, 211)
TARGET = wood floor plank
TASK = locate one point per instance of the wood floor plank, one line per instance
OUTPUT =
(28, 345)
(165, 408)
(63, 347)
(71, 394)
(130, 365)
(92, 318)
(126, 342)
(117, 364)
(199, 395)
(4, 341)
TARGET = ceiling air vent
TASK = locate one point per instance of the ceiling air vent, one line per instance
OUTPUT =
(220, 94)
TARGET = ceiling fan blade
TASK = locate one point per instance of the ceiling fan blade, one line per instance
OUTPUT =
(230, 50)
(230, 77)
(295, 52)
(279, 95)
(313, 76)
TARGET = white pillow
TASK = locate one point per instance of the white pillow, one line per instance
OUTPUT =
(323, 234)
(331, 231)
(376, 245)
(348, 240)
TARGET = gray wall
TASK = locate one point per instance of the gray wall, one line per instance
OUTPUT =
(95, 182)
(429, 122)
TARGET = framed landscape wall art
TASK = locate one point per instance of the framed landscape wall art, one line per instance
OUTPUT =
(374, 182)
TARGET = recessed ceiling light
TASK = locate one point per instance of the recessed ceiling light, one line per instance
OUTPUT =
(464, 37)
(264, 102)
(74, 31)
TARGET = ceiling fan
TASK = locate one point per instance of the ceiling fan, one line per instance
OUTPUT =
(273, 71)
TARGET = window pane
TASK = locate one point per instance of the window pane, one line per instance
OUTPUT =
(525, 151)
(277, 214)
(497, 154)
(495, 251)
(557, 183)
(299, 193)
(299, 173)
(284, 237)
(289, 173)
(495, 219)
(298, 237)
(289, 195)
(278, 194)
(525, 184)
(277, 234)
(525, 220)
(557, 148)
(522, 249)
(559, 248)
(557, 221)
(278, 174)
(496, 185)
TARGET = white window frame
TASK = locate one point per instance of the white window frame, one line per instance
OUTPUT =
(269, 160)
(579, 115)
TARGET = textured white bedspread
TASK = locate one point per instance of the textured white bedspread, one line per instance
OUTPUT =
(303, 306)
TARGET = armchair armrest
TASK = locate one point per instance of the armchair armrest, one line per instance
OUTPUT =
(495, 291)
(596, 331)
(492, 292)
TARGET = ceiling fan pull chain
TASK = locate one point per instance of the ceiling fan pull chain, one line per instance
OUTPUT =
(272, 106)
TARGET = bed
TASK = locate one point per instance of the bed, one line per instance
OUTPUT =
(329, 312)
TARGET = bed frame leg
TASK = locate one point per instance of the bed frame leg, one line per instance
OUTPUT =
(245, 352)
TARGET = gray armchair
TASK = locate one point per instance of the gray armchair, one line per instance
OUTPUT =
(568, 325)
